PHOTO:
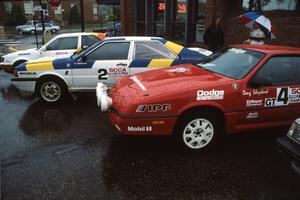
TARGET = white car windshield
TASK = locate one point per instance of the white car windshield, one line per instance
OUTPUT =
(232, 62)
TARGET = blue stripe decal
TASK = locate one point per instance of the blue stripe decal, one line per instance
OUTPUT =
(140, 63)
(21, 67)
(190, 54)
(160, 39)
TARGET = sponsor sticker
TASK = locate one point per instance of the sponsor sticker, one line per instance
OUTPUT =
(284, 96)
(27, 73)
(238, 51)
(252, 115)
(255, 92)
(154, 108)
(258, 102)
(178, 70)
(137, 81)
(118, 71)
(210, 95)
(139, 128)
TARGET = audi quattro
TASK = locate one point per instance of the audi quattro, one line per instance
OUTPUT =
(241, 88)
(62, 45)
(106, 61)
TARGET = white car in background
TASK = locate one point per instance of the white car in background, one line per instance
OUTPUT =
(39, 28)
(62, 45)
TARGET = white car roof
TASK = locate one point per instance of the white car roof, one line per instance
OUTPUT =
(72, 34)
(133, 38)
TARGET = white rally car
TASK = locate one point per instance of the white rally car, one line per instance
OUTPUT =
(62, 45)
(106, 61)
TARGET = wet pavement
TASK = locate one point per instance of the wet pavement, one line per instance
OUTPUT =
(71, 151)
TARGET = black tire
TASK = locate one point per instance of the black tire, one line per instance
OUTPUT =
(20, 32)
(32, 32)
(53, 31)
(205, 138)
(18, 62)
(55, 93)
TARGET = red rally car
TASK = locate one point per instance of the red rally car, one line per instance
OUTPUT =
(241, 88)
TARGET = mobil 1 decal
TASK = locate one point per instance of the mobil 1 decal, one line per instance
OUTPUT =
(284, 96)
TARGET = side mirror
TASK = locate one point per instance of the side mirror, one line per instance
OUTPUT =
(259, 81)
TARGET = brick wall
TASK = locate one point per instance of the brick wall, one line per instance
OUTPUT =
(128, 15)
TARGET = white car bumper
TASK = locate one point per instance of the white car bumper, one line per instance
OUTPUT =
(28, 85)
(103, 100)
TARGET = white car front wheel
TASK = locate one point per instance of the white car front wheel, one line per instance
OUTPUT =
(51, 91)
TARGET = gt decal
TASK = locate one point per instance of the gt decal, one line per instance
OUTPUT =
(284, 96)
(154, 108)
(102, 74)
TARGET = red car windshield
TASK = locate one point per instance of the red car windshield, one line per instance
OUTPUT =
(232, 62)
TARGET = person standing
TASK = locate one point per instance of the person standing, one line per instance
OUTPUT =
(257, 36)
(214, 36)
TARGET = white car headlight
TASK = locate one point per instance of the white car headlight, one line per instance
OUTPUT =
(294, 132)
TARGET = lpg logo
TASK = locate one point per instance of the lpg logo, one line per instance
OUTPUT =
(139, 128)
(210, 95)
(154, 108)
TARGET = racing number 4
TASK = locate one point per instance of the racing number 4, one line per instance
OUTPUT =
(102, 74)
(283, 96)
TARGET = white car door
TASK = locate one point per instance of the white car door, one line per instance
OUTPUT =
(107, 63)
(61, 47)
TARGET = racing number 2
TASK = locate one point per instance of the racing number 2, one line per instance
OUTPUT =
(102, 74)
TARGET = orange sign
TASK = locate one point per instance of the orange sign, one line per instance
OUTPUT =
(181, 7)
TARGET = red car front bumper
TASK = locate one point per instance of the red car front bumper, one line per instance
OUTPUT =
(128, 125)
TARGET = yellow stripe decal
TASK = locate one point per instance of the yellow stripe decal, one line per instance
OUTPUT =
(174, 47)
(160, 63)
(39, 66)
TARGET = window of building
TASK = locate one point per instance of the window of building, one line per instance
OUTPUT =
(178, 19)
(151, 50)
(7, 7)
(269, 5)
(110, 51)
(281, 70)
(140, 17)
(95, 9)
(58, 10)
(28, 7)
(63, 44)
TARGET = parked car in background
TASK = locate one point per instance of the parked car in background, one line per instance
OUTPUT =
(114, 28)
(39, 28)
(62, 45)
(106, 61)
(241, 88)
(28, 24)
(290, 145)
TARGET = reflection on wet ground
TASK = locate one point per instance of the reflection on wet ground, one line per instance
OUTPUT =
(70, 151)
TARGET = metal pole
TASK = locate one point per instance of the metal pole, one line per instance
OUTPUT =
(82, 15)
(114, 14)
(35, 33)
(43, 23)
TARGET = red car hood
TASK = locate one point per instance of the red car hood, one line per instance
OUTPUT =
(172, 79)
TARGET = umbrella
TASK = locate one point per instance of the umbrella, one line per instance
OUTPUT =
(250, 17)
